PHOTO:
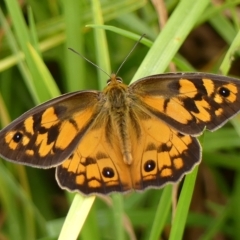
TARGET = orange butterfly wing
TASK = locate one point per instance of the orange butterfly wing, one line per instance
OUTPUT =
(189, 102)
(172, 108)
(47, 134)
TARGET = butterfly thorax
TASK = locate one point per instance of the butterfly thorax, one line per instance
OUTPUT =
(116, 94)
(118, 104)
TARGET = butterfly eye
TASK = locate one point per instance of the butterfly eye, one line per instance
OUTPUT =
(17, 137)
(108, 172)
(224, 92)
(149, 165)
(119, 79)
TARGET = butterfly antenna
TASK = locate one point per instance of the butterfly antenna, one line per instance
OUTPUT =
(125, 59)
(89, 61)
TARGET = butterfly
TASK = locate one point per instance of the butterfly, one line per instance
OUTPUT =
(124, 137)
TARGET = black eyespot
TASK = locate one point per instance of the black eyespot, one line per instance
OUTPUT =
(149, 165)
(224, 92)
(108, 172)
(17, 137)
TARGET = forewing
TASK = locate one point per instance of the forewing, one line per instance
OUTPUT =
(48, 134)
(189, 102)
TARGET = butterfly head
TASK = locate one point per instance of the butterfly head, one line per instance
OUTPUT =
(114, 80)
(115, 86)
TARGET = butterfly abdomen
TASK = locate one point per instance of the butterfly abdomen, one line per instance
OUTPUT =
(118, 103)
(121, 125)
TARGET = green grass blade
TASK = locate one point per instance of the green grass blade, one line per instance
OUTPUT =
(122, 32)
(76, 217)
(118, 212)
(102, 54)
(162, 213)
(172, 36)
(46, 78)
(184, 201)
(33, 32)
(76, 78)
(18, 58)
